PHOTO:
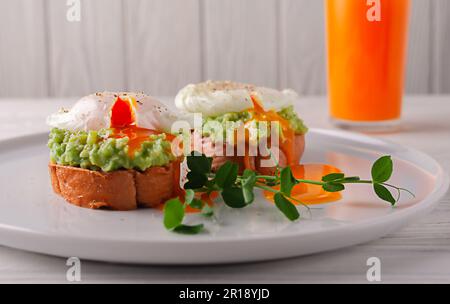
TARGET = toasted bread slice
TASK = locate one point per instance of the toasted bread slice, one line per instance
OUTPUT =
(119, 190)
(156, 185)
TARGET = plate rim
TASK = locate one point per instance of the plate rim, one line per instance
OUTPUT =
(408, 214)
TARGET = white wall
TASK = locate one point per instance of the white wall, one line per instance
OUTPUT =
(157, 46)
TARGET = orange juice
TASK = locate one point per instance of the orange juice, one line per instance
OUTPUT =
(366, 56)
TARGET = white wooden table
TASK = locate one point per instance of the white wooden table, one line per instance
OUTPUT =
(418, 253)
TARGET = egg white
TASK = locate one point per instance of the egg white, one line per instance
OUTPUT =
(214, 98)
(93, 112)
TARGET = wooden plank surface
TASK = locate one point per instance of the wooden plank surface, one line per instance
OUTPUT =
(23, 53)
(241, 41)
(163, 45)
(417, 253)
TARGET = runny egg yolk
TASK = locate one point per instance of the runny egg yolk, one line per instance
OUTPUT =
(123, 124)
(287, 144)
(310, 194)
(305, 193)
(122, 112)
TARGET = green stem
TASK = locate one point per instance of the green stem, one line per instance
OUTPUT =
(311, 182)
(399, 189)
(267, 177)
(267, 188)
(263, 187)
(359, 182)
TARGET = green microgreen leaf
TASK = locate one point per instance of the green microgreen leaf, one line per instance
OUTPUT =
(199, 166)
(233, 197)
(195, 180)
(383, 193)
(382, 169)
(186, 229)
(333, 177)
(248, 182)
(226, 175)
(191, 201)
(272, 183)
(189, 196)
(196, 204)
(207, 211)
(238, 191)
(287, 180)
(333, 187)
(286, 207)
(351, 179)
(173, 214)
(199, 163)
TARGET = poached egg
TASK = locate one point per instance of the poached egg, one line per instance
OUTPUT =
(214, 98)
(93, 112)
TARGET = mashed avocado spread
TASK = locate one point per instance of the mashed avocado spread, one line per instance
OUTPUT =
(97, 151)
(230, 121)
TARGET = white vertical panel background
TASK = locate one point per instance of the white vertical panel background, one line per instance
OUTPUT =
(241, 40)
(418, 71)
(160, 45)
(163, 45)
(86, 56)
(303, 46)
(23, 58)
(440, 79)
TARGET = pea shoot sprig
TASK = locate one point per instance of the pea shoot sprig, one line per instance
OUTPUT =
(238, 191)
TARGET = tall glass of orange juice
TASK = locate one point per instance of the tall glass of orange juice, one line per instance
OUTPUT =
(367, 42)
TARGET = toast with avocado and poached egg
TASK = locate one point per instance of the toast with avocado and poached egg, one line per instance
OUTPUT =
(113, 150)
(228, 106)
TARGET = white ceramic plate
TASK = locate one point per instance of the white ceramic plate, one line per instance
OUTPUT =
(33, 218)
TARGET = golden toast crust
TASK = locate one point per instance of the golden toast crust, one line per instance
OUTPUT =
(119, 190)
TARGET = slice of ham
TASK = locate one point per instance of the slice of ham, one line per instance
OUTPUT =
(119, 190)
(253, 162)
(299, 149)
